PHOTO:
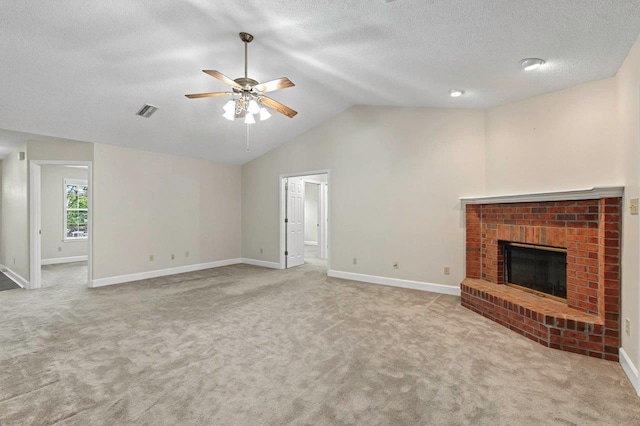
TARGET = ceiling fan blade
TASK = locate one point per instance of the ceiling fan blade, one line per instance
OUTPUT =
(270, 86)
(223, 78)
(282, 109)
(208, 95)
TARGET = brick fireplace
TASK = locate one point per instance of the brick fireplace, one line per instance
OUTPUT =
(585, 224)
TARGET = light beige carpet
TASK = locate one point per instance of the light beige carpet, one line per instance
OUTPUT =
(242, 345)
(65, 274)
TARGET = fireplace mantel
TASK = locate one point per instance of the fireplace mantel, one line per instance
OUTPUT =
(570, 195)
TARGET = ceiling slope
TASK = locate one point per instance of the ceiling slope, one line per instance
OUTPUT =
(81, 69)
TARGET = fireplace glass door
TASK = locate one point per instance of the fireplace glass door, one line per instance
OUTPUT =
(537, 268)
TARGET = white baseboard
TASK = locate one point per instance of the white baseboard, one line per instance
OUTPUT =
(15, 277)
(310, 243)
(57, 260)
(263, 263)
(100, 282)
(630, 370)
(396, 282)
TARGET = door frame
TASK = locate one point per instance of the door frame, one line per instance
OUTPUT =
(282, 195)
(35, 218)
(323, 232)
(322, 216)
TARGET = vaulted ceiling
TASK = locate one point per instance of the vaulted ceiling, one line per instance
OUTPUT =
(81, 69)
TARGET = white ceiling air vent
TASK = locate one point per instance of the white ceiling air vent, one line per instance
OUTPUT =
(147, 110)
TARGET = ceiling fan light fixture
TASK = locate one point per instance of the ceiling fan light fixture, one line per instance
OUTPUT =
(248, 95)
(530, 64)
(229, 107)
(253, 107)
(455, 93)
(264, 114)
(248, 119)
(229, 115)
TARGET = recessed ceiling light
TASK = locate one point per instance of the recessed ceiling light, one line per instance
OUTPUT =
(454, 93)
(531, 63)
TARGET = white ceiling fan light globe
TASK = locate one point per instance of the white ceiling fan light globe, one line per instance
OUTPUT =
(253, 107)
(229, 115)
(248, 118)
(264, 114)
(230, 106)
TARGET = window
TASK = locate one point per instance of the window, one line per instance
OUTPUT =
(76, 209)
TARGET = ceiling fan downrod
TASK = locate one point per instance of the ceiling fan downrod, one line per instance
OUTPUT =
(246, 38)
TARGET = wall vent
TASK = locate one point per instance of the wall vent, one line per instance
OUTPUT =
(147, 111)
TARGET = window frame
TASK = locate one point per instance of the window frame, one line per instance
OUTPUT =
(65, 209)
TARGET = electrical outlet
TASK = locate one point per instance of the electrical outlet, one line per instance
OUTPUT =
(447, 270)
(173, 256)
(396, 265)
(150, 258)
(627, 326)
(186, 254)
(260, 250)
(355, 260)
(59, 248)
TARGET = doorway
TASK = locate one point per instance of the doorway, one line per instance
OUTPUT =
(61, 240)
(304, 230)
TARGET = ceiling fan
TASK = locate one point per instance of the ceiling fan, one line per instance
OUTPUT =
(248, 95)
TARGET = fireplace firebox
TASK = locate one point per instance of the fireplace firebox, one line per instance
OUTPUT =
(535, 268)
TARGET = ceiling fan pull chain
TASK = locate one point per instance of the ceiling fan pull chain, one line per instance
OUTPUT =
(247, 126)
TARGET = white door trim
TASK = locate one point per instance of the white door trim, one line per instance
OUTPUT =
(281, 181)
(35, 217)
(320, 225)
(323, 217)
(35, 225)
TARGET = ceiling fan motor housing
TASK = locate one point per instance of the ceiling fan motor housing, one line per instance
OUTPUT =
(246, 82)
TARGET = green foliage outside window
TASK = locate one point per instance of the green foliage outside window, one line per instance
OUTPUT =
(77, 210)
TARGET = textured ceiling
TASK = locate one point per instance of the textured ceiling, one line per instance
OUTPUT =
(80, 69)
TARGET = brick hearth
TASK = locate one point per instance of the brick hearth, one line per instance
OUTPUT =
(588, 323)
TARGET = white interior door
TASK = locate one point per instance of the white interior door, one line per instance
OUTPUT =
(295, 221)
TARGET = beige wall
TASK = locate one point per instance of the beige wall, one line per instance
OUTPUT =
(60, 150)
(562, 140)
(317, 178)
(53, 193)
(144, 203)
(628, 92)
(155, 204)
(1, 255)
(15, 223)
(396, 178)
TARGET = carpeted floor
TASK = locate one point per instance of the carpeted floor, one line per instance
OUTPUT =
(243, 345)
(311, 252)
(72, 274)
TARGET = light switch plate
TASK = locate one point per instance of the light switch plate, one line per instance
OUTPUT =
(633, 206)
